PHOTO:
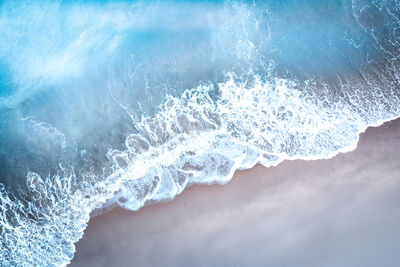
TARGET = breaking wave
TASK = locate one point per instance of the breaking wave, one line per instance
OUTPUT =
(105, 104)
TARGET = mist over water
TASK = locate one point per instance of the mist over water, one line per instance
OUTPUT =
(116, 103)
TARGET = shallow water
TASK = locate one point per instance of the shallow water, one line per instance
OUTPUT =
(116, 103)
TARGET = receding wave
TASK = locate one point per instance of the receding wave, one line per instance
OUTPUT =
(113, 103)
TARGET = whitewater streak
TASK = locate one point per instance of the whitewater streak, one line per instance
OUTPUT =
(253, 114)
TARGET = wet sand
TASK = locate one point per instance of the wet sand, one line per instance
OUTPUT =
(344, 211)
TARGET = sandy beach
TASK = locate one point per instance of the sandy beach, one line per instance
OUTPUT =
(344, 211)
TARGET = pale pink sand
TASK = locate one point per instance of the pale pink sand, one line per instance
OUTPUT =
(344, 211)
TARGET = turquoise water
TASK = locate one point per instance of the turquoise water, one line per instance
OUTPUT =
(106, 103)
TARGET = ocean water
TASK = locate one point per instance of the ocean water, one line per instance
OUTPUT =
(106, 103)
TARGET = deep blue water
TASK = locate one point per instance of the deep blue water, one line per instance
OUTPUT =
(106, 103)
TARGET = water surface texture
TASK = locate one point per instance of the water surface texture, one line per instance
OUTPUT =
(106, 103)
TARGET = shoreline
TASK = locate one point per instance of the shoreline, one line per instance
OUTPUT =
(106, 208)
(123, 238)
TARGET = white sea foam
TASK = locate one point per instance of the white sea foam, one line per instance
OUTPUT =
(191, 140)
